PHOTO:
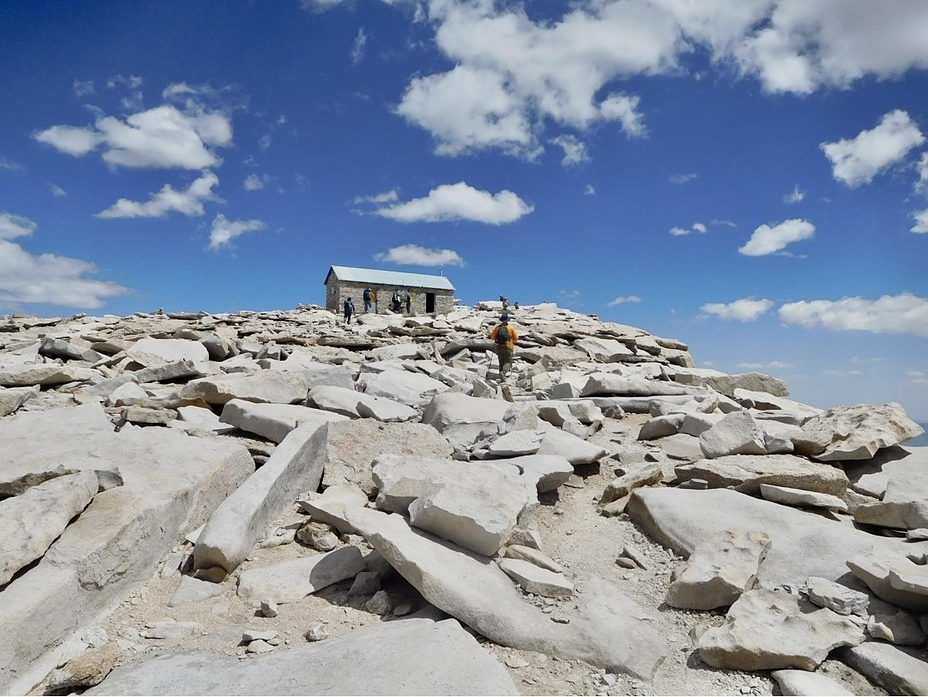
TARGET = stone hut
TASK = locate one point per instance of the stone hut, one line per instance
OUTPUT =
(428, 294)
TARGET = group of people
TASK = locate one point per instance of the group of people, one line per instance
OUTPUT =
(399, 301)
(503, 336)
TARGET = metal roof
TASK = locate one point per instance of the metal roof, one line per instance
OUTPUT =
(389, 278)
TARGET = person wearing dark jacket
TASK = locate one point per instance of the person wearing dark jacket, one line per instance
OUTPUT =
(349, 310)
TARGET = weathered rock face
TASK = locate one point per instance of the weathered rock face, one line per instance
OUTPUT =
(771, 629)
(855, 433)
(122, 435)
(719, 570)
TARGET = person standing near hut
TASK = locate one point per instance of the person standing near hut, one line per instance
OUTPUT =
(349, 310)
(504, 340)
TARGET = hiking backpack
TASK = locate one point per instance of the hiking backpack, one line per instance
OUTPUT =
(502, 335)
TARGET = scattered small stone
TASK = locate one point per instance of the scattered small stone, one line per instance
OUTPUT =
(259, 646)
(379, 604)
(316, 632)
(269, 608)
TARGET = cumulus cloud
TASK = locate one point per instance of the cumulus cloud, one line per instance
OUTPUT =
(921, 222)
(13, 226)
(512, 74)
(188, 202)
(450, 202)
(857, 161)
(255, 183)
(744, 310)
(46, 278)
(415, 255)
(225, 230)
(575, 152)
(589, 190)
(165, 136)
(622, 299)
(769, 240)
(515, 76)
(890, 314)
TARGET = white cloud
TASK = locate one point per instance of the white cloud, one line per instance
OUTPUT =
(794, 196)
(680, 179)
(71, 140)
(57, 191)
(922, 167)
(357, 49)
(575, 152)
(697, 227)
(589, 190)
(450, 202)
(188, 202)
(622, 299)
(857, 161)
(624, 109)
(769, 240)
(515, 76)
(512, 74)
(255, 183)
(415, 255)
(744, 310)
(890, 314)
(799, 46)
(164, 136)
(225, 230)
(921, 222)
(13, 226)
(385, 197)
(83, 87)
(772, 365)
(46, 278)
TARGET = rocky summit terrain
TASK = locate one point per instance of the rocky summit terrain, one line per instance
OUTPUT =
(278, 503)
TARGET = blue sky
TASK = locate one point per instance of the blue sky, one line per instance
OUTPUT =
(750, 177)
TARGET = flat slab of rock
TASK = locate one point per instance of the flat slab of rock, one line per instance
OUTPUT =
(893, 669)
(802, 544)
(798, 497)
(293, 580)
(893, 577)
(609, 631)
(30, 522)
(802, 682)
(171, 483)
(719, 570)
(279, 387)
(737, 433)
(272, 421)
(768, 630)
(855, 433)
(536, 580)
(352, 445)
(424, 657)
(232, 530)
(746, 473)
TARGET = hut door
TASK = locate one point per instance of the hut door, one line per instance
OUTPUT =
(430, 302)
